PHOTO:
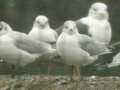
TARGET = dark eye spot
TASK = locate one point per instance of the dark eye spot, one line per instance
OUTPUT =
(95, 9)
(38, 22)
(66, 27)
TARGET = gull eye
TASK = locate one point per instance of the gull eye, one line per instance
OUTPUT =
(66, 27)
(95, 9)
(38, 22)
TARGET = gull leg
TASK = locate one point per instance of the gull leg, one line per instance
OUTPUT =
(13, 70)
(74, 71)
(49, 65)
(78, 70)
(76, 74)
(71, 76)
(79, 74)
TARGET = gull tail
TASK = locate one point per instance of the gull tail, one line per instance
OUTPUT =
(105, 53)
(113, 64)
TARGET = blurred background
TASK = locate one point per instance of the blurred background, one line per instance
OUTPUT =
(20, 14)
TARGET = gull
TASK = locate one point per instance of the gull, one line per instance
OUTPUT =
(42, 31)
(115, 61)
(77, 49)
(96, 24)
(18, 49)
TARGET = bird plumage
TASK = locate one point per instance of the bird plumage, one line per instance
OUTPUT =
(18, 48)
(42, 31)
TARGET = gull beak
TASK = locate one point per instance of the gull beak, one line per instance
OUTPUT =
(102, 14)
(71, 30)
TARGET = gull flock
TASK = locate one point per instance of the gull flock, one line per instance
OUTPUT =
(78, 43)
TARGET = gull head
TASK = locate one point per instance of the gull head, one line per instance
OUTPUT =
(4, 28)
(41, 21)
(69, 27)
(99, 11)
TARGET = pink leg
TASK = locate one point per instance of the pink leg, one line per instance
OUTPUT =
(71, 76)
(13, 70)
(49, 66)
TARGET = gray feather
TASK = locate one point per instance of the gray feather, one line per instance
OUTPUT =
(91, 46)
(23, 42)
(59, 30)
(82, 28)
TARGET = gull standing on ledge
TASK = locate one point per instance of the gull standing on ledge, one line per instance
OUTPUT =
(77, 49)
(19, 49)
(42, 31)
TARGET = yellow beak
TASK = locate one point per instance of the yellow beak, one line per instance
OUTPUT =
(102, 14)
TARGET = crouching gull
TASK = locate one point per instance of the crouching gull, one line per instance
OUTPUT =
(115, 61)
(77, 49)
(96, 24)
(42, 31)
(19, 49)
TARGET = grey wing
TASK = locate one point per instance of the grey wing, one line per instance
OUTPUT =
(54, 39)
(91, 46)
(59, 30)
(32, 46)
(82, 28)
(115, 61)
(54, 42)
